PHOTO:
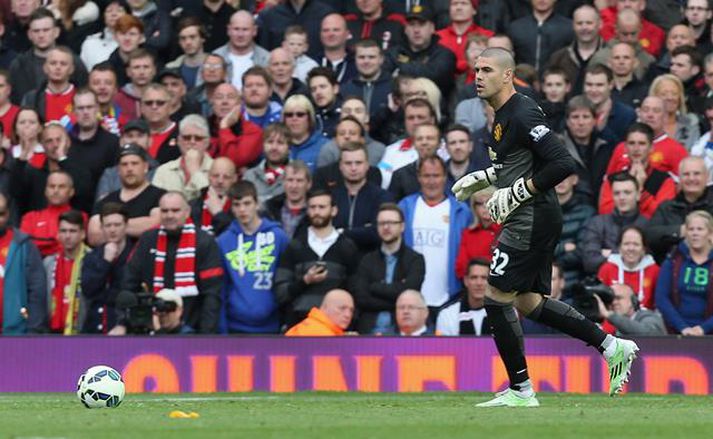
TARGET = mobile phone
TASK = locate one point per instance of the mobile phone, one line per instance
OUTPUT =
(321, 265)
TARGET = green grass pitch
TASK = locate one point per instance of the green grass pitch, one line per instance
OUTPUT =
(333, 415)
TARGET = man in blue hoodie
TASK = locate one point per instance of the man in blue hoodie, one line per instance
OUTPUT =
(251, 249)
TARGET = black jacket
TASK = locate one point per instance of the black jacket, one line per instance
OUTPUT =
(357, 215)
(101, 283)
(374, 93)
(434, 62)
(290, 290)
(404, 181)
(534, 43)
(200, 312)
(273, 210)
(220, 222)
(662, 232)
(96, 154)
(27, 185)
(27, 74)
(373, 295)
(273, 21)
(591, 163)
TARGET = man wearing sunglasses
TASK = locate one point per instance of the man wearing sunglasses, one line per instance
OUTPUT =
(188, 174)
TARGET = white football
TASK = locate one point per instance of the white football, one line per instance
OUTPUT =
(100, 387)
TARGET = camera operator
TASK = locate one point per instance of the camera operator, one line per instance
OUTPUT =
(626, 315)
(168, 317)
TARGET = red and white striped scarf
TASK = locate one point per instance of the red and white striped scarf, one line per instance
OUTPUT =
(185, 267)
(207, 217)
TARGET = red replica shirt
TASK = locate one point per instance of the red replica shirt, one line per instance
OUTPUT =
(5, 242)
(651, 37)
(8, 120)
(43, 225)
(457, 43)
(157, 139)
(58, 106)
(665, 156)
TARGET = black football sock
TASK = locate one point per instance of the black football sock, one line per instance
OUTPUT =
(507, 333)
(564, 318)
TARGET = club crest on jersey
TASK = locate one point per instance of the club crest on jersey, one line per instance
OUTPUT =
(498, 132)
(539, 132)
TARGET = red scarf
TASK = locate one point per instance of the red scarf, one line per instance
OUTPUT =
(185, 267)
(273, 174)
(62, 278)
(207, 217)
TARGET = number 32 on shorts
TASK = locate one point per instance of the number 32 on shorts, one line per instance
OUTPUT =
(499, 262)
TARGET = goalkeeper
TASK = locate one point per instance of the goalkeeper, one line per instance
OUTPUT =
(528, 161)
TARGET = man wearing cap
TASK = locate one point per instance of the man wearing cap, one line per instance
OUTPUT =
(421, 55)
(137, 195)
(93, 147)
(179, 104)
(170, 321)
(136, 132)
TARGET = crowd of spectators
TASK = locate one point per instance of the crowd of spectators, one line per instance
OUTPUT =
(284, 166)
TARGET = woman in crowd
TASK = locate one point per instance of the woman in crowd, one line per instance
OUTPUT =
(680, 125)
(684, 291)
(632, 265)
(27, 129)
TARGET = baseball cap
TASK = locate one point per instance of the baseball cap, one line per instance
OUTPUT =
(169, 295)
(419, 12)
(133, 149)
(175, 73)
(136, 124)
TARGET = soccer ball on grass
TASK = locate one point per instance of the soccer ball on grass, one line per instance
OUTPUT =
(100, 387)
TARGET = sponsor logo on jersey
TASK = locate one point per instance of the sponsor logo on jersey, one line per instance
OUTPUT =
(539, 132)
(498, 132)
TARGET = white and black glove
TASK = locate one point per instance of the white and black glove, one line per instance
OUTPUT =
(471, 183)
(505, 200)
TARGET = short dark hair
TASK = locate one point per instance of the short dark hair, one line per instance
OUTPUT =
(322, 71)
(104, 66)
(693, 54)
(420, 103)
(321, 192)
(555, 71)
(112, 208)
(637, 229)
(242, 189)
(481, 262)
(40, 14)
(191, 21)
(392, 207)
(433, 158)
(600, 69)
(258, 71)
(72, 217)
(622, 176)
(139, 54)
(351, 147)
(367, 43)
(639, 127)
(580, 102)
(351, 118)
(457, 127)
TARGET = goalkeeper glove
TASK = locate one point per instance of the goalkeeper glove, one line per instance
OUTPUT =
(505, 200)
(473, 182)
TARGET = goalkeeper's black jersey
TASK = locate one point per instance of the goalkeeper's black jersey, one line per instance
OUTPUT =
(524, 146)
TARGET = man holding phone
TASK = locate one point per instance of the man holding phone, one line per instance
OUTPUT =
(302, 280)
